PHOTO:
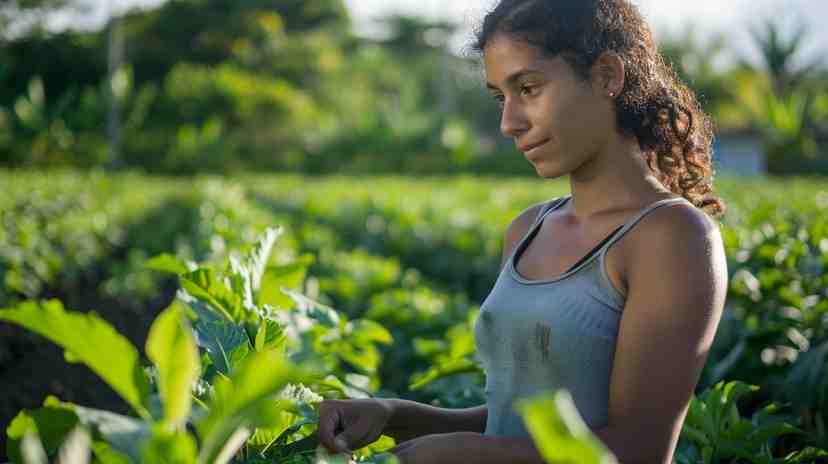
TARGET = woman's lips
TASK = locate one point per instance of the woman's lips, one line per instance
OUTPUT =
(532, 148)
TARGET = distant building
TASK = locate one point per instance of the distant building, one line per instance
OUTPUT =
(738, 152)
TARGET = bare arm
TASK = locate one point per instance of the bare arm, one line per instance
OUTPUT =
(487, 449)
(411, 419)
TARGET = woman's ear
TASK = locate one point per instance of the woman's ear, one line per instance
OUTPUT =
(608, 75)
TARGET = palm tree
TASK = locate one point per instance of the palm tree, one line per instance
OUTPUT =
(778, 55)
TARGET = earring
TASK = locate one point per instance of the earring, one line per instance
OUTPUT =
(612, 94)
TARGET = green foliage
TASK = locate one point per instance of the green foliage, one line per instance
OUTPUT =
(81, 337)
(558, 430)
(717, 432)
(172, 349)
(255, 396)
(401, 269)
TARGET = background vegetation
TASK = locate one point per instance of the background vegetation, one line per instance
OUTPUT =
(220, 86)
(186, 131)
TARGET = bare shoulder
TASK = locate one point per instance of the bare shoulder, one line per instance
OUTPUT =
(679, 239)
(679, 224)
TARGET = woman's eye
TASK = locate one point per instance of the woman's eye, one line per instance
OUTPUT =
(500, 100)
(528, 88)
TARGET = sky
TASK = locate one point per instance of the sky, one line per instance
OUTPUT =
(709, 17)
(729, 17)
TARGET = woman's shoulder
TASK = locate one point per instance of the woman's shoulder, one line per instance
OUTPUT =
(521, 224)
(678, 235)
(524, 220)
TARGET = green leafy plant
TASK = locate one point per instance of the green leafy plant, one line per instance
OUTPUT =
(559, 431)
(714, 431)
(245, 398)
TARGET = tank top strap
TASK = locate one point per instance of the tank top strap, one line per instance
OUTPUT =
(550, 206)
(638, 217)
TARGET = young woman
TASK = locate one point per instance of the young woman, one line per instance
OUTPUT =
(613, 292)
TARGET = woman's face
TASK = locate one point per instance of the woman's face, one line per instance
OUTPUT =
(543, 101)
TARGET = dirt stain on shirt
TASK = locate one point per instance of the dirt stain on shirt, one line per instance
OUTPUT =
(542, 336)
(520, 351)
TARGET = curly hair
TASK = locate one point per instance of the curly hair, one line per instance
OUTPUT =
(654, 105)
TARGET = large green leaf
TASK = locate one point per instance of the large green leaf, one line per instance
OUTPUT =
(92, 341)
(239, 403)
(204, 284)
(171, 347)
(289, 276)
(225, 343)
(558, 430)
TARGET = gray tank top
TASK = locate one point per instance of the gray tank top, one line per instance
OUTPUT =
(534, 335)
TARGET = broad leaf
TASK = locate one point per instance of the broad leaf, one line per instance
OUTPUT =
(559, 430)
(92, 341)
(225, 342)
(171, 348)
(205, 285)
(275, 277)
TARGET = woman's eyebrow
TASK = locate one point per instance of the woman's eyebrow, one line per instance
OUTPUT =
(510, 81)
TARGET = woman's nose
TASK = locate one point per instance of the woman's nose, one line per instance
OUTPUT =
(512, 120)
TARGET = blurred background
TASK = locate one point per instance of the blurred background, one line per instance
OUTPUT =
(134, 128)
(357, 86)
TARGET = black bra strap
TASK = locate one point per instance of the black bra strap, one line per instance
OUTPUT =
(597, 247)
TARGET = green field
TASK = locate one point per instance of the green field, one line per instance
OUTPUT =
(416, 257)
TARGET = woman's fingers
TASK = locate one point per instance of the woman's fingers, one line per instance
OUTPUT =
(327, 428)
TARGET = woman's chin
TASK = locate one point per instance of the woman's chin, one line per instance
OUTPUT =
(549, 175)
(546, 169)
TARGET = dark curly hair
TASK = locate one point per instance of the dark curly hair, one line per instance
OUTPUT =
(654, 105)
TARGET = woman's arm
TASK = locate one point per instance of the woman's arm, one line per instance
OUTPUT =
(410, 419)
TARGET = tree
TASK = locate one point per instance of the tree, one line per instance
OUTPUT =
(779, 53)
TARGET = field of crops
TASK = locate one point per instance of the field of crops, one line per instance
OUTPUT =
(382, 280)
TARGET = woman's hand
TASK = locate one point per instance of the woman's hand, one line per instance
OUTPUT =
(347, 425)
(437, 448)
